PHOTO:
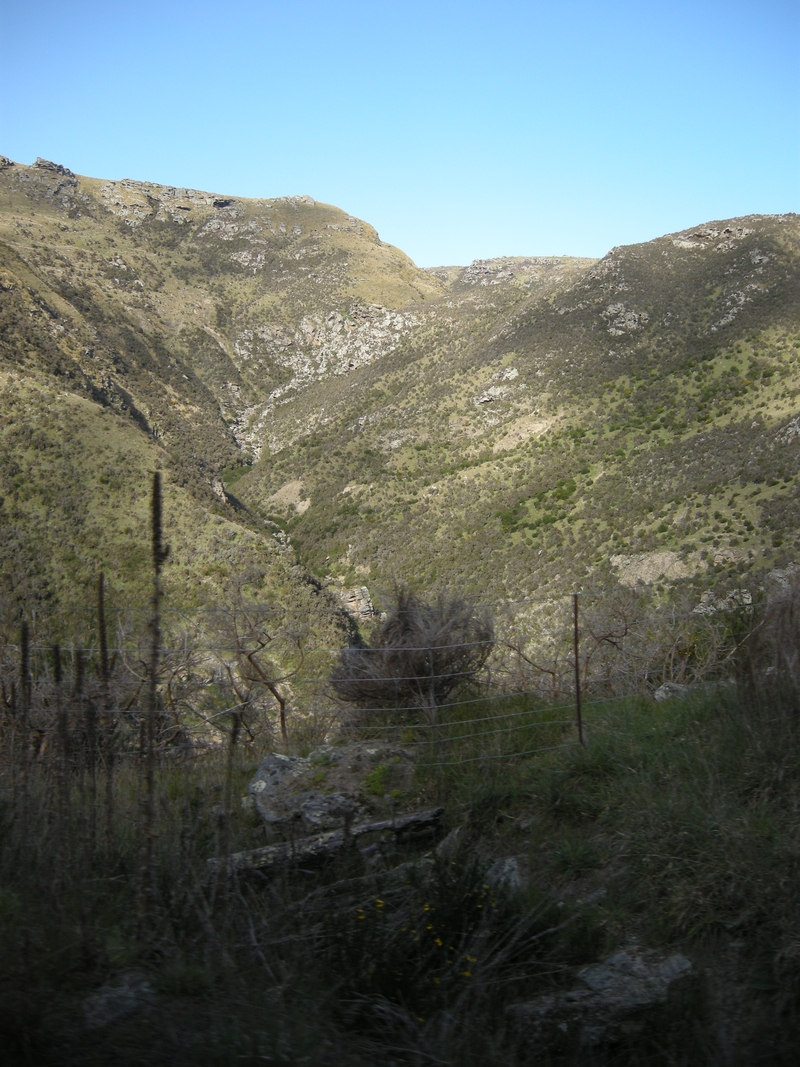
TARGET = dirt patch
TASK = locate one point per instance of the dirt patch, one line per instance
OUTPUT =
(293, 495)
(521, 430)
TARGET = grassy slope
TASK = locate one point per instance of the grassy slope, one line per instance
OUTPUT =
(680, 820)
(673, 828)
(76, 501)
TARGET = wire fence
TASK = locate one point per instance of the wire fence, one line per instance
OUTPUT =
(85, 728)
(231, 668)
(85, 724)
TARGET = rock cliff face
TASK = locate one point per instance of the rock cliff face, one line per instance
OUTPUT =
(323, 346)
(357, 603)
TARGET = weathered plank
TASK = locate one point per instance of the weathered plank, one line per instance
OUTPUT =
(259, 859)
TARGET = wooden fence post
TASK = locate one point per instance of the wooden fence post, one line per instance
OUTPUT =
(577, 667)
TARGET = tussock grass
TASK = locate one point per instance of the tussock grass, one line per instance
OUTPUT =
(685, 813)
(314, 965)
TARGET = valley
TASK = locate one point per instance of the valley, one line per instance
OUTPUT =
(337, 416)
(331, 425)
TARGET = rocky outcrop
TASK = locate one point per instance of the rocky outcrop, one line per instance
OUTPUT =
(494, 392)
(611, 996)
(789, 431)
(52, 168)
(648, 567)
(357, 602)
(45, 179)
(706, 237)
(710, 603)
(333, 786)
(280, 799)
(324, 346)
(623, 320)
(135, 201)
(734, 303)
(485, 272)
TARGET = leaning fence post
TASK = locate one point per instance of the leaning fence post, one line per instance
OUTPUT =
(577, 667)
(160, 553)
(109, 726)
(434, 721)
(25, 691)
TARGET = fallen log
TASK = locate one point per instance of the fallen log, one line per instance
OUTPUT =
(318, 845)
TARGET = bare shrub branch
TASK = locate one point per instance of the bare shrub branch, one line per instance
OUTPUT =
(419, 654)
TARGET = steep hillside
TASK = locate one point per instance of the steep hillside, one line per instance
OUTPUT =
(142, 327)
(515, 425)
(76, 500)
(638, 422)
(189, 310)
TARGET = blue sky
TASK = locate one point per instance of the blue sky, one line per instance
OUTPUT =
(460, 130)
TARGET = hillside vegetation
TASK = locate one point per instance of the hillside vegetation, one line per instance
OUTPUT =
(647, 407)
(126, 940)
(126, 345)
(324, 415)
(511, 427)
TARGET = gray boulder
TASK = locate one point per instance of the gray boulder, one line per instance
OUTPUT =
(280, 798)
(336, 783)
(606, 1005)
(671, 691)
(272, 780)
(130, 991)
(505, 874)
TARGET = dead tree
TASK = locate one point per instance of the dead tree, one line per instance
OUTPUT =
(260, 659)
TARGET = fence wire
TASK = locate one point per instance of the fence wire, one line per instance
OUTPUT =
(227, 665)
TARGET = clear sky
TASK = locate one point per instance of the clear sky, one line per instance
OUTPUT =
(461, 130)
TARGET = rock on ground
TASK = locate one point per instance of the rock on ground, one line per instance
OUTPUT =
(334, 784)
(128, 992)
(605, 1006)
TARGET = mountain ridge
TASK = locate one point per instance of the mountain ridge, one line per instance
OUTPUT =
(527, 419)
